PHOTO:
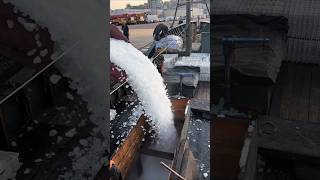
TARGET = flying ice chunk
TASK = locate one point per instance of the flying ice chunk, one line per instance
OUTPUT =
(30, 26)
(38, 160)
(69, 96)
(21, 20)
(27, 171)
(37, 37)
(71, 132)
(44, 52)
(39, 44)
(29, 128)
(83, 142)
(113, 114)
(53, 132)
(32, 52)
(37, 60)
(15, 10)
(10, 24)
(205, 175)
(54, 78)
(59, 139)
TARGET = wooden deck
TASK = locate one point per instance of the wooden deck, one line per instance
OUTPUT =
(295, 137)
(203, 91)
(294, 119)
(189, 154)
(297, 93)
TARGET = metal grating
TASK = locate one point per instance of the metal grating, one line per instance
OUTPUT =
(304, 22)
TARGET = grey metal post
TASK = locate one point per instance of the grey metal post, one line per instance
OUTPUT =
(189, 28)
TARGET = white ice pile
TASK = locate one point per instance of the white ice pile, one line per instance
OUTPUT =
(9, 164)
(113, 114)
(82, 22)
(145, 81)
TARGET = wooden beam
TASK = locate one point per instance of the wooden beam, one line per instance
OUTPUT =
(296, 137)
(159, 154)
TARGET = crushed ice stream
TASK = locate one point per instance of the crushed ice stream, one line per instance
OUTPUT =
(146, 81)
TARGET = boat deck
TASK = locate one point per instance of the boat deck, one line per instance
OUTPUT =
(292, 124)
(195, 138)
(297, 93)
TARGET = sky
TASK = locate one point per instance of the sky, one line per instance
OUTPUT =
(120, 4)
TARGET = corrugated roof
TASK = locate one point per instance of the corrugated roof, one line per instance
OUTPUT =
(304, 22)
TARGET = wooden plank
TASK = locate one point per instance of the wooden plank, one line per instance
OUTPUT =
(125, 156)
(200, 105)
(179, 152)
(179, 107)
(276, 102)
(314, 109)
(156, 153)
(229, 135)
(291, 96)
(286, 88)
(249, 171)
(297, 137)
(203, 91)
(299, 99)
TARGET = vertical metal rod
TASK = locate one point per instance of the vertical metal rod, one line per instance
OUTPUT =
(189, 28)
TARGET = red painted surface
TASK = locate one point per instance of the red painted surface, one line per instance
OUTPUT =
(116, 74)
(16, 42)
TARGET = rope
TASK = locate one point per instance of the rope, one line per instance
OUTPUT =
(175, 14)
(205, 1)
(39, 72)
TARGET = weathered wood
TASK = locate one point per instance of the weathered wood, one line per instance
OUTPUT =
(300, 93)
(156, 153)
(296, 137)
(249, 171)
(125, 156)
(200, 105)
(203, 91)
(314, 113)
(296, 94)
(179, 107)
(229, 135)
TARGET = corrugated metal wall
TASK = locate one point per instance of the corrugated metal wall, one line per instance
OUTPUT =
(304, 22)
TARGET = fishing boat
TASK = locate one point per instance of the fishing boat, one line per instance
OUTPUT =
(265, 122)
(137, 150)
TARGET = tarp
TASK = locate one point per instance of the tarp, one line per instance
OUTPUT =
(258, 60)
(170, 42)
